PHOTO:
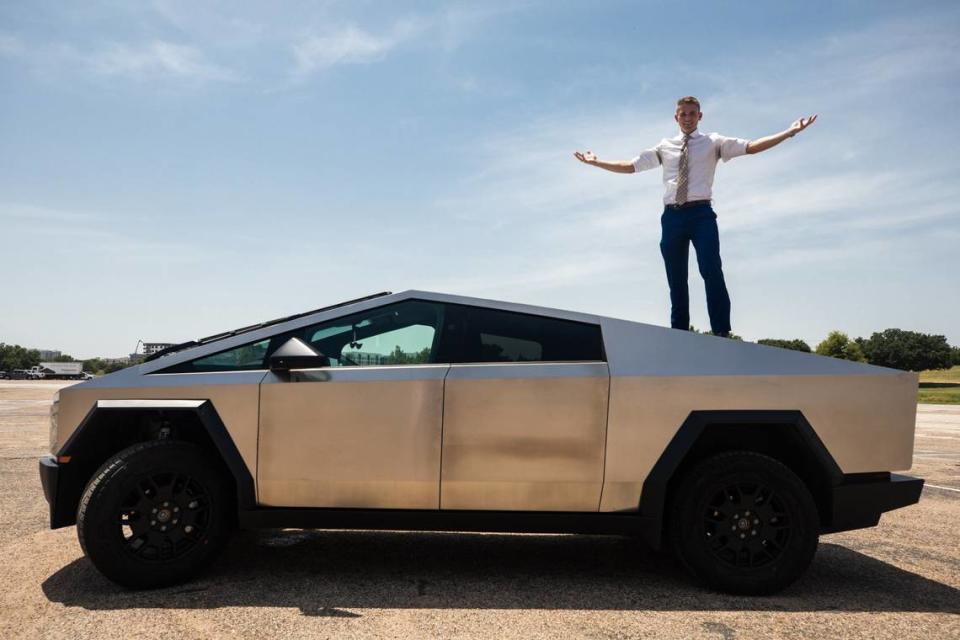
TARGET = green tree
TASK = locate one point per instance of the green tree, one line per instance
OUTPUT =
(793, 345)
(729, 336)
(94, 365)
(13, 356)
(399, 356)
(955, 356)
(64, 358)
(907, 350)
(115, 366)
(839, 345)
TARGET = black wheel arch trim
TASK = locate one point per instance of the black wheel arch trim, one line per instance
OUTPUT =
(653, 499)
(67, 480)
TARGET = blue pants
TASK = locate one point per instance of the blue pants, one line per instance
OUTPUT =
(697, 224)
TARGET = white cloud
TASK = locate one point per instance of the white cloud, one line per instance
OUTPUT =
(151, 60)
(350, 45)
(16, 211)
(447, 29)
(532, 175)
(178, 40)
(755, 259)
(156, 58)
(216, 24)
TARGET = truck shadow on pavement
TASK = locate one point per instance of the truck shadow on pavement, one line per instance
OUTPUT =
(339, 574)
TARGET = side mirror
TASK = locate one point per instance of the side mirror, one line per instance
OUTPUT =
(297, 354)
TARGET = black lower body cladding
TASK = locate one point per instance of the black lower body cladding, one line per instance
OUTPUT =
(862, 498)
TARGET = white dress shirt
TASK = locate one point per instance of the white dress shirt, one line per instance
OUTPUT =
(703, 150)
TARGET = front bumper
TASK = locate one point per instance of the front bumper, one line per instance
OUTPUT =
(860, 500)
(50, 479)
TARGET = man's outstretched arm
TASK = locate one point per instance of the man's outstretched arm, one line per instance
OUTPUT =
(588, 157)
(762, 144)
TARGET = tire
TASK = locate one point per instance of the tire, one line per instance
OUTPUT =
(744, 523)
(155, 514)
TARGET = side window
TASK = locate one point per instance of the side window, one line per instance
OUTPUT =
(245, 358)
(494, 348)
(502, 336)
(402, 333)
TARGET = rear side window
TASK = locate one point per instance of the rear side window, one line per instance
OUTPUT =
(490, 335)
(506, 349)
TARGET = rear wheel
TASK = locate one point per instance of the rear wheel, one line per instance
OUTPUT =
(744, 523)
(154, 514)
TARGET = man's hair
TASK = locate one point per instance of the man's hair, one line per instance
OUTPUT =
(689, 100)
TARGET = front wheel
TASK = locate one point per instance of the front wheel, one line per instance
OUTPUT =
(154, 514)
(744, 523)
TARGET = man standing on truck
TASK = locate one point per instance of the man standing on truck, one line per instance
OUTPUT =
(689, 161)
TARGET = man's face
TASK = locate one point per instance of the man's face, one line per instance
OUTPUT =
(688, 117)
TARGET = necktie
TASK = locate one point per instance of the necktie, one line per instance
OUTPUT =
(684, 175)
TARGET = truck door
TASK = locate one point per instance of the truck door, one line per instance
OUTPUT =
(525, 415)
(366, 431)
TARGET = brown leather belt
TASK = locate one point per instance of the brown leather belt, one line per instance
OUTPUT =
(687, 205)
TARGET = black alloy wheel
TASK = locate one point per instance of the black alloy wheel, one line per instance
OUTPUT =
(155, 514)
(747, 525)
(744, 523)
(164, 516)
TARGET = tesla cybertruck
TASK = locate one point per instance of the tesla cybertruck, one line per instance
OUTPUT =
(426, 411)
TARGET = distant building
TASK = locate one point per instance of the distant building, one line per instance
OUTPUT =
(123, 360)
(149, 348)
(49, 354)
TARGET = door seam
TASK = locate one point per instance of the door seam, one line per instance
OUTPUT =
(606, 435)
(443, 409)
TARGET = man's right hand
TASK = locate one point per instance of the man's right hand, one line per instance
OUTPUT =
(585, 156)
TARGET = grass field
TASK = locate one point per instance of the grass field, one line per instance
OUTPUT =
(941, 375)
(940, 386)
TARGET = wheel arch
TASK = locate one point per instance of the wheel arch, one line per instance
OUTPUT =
(112, 425)
(784, 435)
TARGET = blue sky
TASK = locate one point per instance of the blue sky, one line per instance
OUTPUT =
(172, 169)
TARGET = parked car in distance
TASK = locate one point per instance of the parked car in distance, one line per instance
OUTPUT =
(428, 411)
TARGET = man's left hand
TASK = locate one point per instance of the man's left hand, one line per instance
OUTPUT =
(801, 124)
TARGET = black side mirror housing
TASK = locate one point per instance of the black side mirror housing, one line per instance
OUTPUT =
(297, 354)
